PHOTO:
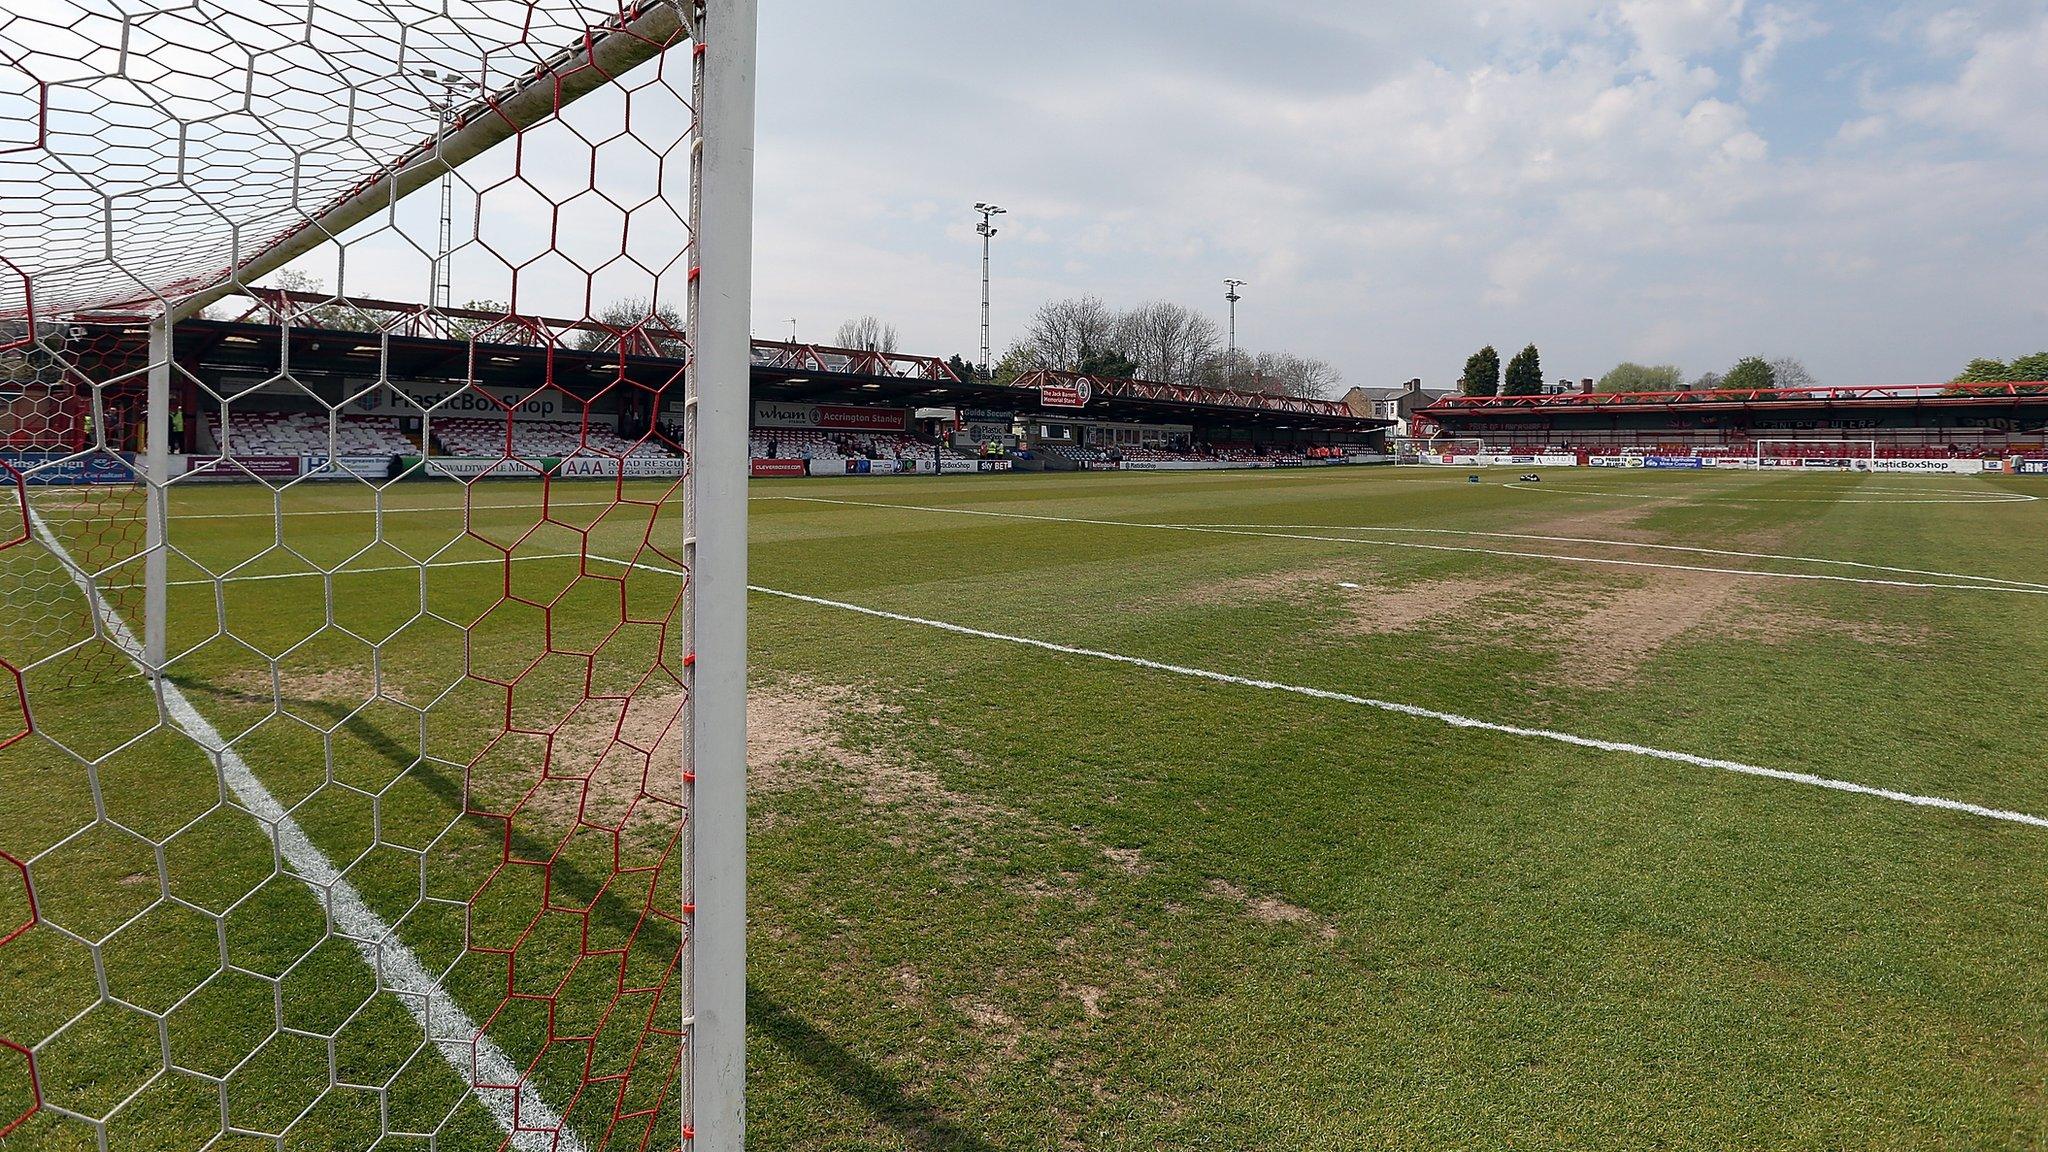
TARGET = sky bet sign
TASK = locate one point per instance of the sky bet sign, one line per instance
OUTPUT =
(1060, 394)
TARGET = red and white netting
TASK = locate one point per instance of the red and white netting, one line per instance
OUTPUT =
(344, 681)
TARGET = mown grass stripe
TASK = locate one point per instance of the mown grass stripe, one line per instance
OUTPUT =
(1450, 718)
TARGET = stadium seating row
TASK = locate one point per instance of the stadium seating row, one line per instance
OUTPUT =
(796, 444)
(1747, 449)
(308, 433)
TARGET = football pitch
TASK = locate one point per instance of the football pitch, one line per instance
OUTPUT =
(1318, 809)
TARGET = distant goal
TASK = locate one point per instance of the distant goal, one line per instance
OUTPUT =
(1820, 455)
(1440, 452)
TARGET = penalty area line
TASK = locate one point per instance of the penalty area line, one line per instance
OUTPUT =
(1447, 718)
(529, 1122)
(1416, 545)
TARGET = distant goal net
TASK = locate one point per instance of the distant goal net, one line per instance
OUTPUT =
(373, 394)
(1440, 452)
(1818, 455)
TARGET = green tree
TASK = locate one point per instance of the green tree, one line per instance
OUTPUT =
(1482, 373)
(968, 373)
(1525, 374)
(1983, 371)
(1020, 361)
(2030, 369)
(1751, 374)
(1108, 364)
(2025, 370)
(1629, 376)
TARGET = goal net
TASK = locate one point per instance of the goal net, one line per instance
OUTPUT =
(372, 460)
(1439, 451)
(1840, 455)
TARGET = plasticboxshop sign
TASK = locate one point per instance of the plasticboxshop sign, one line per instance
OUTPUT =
(472, 402)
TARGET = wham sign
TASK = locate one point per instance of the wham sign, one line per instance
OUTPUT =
(1065, 394)
(769, 414)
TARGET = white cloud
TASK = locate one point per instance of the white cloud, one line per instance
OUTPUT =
(1406, 184)
(1773, 29)
(1670, 34)
(1999, 92)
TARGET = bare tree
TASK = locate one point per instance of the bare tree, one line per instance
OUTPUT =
(1164, 341)
(869, 333)
(1793, 374)
(1285, 374)
(338, 315)
(645, 329)
(1063, 332)
(500, 328)
(1168, 342)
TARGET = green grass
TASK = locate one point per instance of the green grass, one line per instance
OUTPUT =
(1007, 899)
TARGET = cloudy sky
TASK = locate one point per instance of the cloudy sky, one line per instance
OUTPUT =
(1857, 184)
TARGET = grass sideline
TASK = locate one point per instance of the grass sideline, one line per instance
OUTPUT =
(1008, 899)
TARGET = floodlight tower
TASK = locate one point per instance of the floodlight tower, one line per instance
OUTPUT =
(452, 87)
(1230, 293)
(791, 321)
(988, 231)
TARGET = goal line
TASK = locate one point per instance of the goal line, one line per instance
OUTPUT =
(526, 1118)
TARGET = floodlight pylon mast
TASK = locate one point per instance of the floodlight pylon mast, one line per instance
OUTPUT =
(988, 232)
(448, 107)
(1230, 293)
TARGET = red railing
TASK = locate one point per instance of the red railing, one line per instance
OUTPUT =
(852, 361)
(652, 338)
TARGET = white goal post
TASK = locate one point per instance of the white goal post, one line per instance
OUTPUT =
(427, 779)
(1838, 454)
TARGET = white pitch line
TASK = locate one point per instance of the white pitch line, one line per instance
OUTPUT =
(401, 510)
(1857, 564)
(424, 565)
(1448, 718)
(1981, 498)
(530, 1123)
(1599, 561)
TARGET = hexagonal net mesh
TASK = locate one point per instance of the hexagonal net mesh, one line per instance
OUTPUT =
(344, 675)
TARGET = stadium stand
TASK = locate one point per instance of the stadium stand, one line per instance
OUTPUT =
(534, 440)
(793, 444)
(306, 433)
(1958, 422)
